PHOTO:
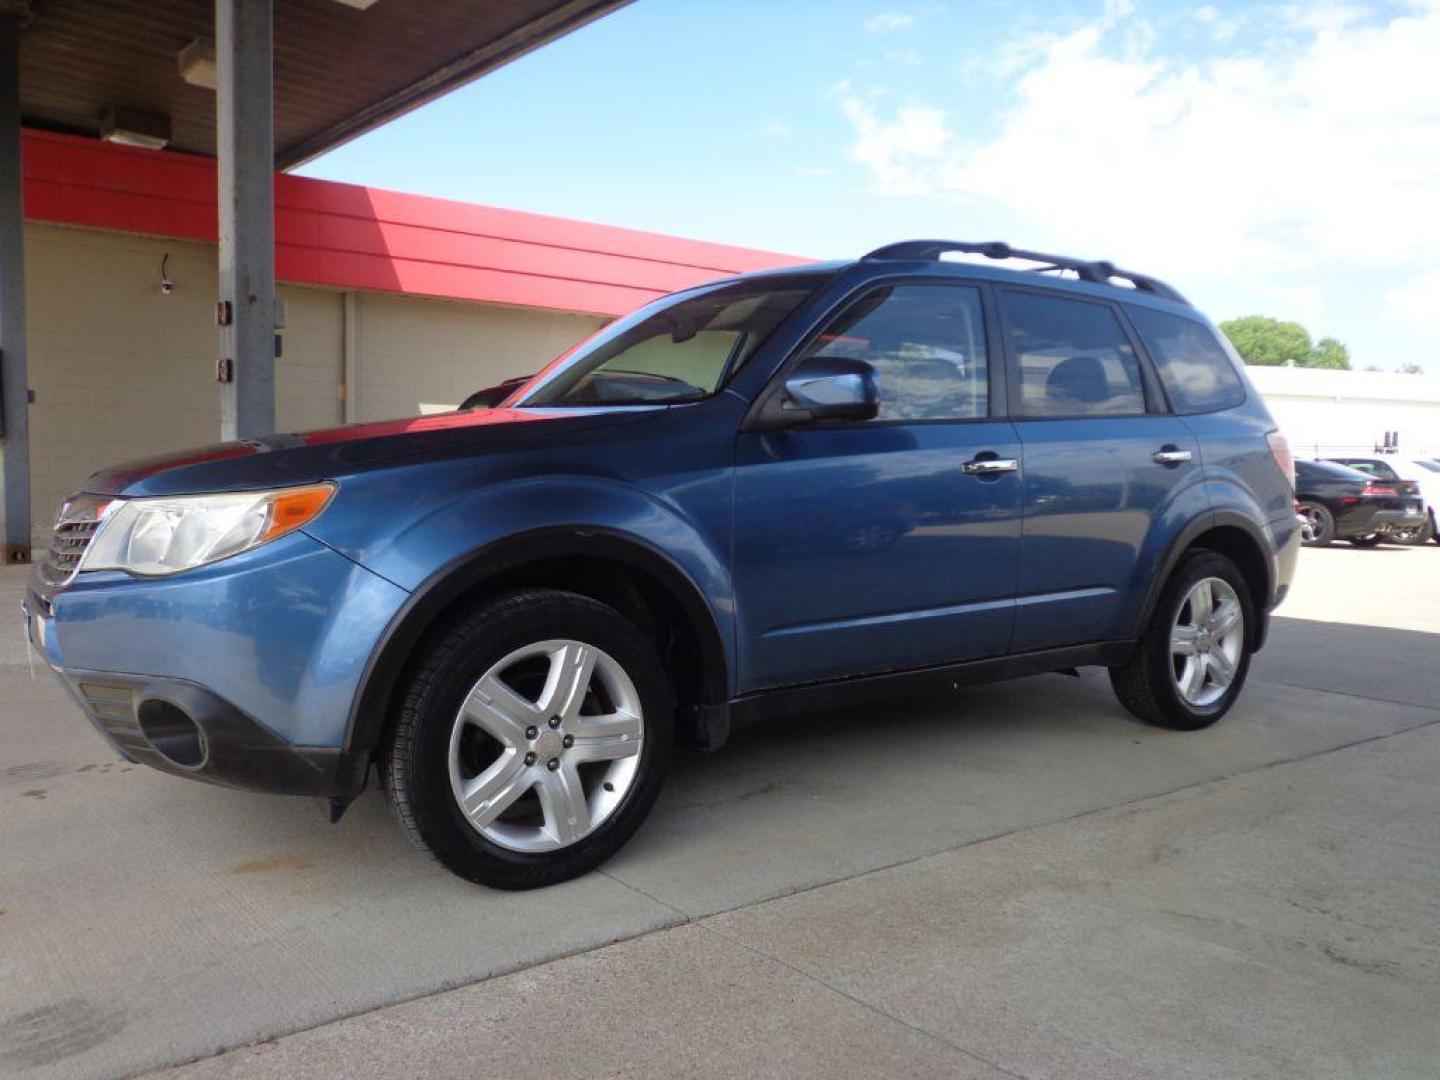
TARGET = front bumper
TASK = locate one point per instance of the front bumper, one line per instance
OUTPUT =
(243, 673)
(185, 730)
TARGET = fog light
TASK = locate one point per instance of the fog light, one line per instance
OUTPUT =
(171, 731)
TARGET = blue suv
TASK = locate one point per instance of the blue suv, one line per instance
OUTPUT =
(775, 491)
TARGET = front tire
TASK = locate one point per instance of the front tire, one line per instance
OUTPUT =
(532, 739)
(1192, 660)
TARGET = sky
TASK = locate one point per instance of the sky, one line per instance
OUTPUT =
(1265, 158)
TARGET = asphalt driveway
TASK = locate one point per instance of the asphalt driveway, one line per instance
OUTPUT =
(1018, 881)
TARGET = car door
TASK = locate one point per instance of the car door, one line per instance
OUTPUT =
(867, 546)
(1102, 462)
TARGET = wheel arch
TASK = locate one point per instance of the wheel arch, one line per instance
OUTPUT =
(1236, 537)
(613, 567)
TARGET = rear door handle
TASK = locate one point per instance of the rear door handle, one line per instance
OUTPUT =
(990, 466)
(1171, 456)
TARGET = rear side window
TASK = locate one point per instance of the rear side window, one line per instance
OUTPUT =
(1196, 371)
(926, 344)
(1074, 358)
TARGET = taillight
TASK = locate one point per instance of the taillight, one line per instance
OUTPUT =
(1280, 448)
(1375, 489)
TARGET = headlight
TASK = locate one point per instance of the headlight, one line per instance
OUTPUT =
(172, 533)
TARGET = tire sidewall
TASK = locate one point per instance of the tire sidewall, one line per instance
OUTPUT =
(447, 832)
(1200, 565)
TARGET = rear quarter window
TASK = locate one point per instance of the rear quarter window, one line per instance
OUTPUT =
(1197, 372)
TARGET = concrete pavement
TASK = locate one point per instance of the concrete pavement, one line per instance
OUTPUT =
(1067, 894)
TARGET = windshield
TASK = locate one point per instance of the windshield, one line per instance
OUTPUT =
(678, 349)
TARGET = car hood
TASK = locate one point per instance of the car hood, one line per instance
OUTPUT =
(281, 460)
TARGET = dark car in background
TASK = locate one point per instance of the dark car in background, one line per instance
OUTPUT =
(1337, 502)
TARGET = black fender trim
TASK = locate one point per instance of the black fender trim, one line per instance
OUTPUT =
(389, 657)
(1187, 536)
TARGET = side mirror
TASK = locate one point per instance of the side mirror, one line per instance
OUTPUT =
(830, 388)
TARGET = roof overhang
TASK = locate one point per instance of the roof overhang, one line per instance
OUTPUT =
(342, 67)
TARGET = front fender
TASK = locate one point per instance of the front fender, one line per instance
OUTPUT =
(457, 544)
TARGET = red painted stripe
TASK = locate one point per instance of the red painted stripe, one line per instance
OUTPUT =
(354, 237)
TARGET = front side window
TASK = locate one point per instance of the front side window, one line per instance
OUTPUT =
(1196, 371)
(926, 344)
(679, 349)
(1074, 358)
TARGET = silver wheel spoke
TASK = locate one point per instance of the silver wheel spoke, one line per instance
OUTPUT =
(562, 798)
(495, 790)
(1221, 669)
(1182, 641)
(571, 667)
(1194, 677)
(1225, 618)
(500, 710)
(606, 738)
(1202, 599)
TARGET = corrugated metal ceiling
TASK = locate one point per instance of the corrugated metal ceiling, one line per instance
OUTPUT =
(338, 70)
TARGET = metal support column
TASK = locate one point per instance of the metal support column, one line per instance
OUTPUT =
(14, 383)
(245, 136)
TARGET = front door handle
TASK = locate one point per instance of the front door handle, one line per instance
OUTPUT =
(1171, 455)
(992, 466)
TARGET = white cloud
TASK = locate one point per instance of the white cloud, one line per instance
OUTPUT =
(903, 152)
(1221, 29)
(888, 22)
(778, 130)
(904, 57)
(1416, 304)
(814, 170)
(1327, 148)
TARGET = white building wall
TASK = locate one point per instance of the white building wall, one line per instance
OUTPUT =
(1324, 412)
(121, 370)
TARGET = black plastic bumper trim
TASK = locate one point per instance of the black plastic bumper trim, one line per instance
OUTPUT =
(240, 752)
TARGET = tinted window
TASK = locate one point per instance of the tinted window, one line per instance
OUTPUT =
(1328, 470)
(926, 344)
(679, 349)
(1196, 371)
(1074, 358)
(1374, 468)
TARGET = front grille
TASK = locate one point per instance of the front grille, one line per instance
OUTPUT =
(76, 526)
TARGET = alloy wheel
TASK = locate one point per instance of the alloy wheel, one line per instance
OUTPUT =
(1207, 641)
(546, 745)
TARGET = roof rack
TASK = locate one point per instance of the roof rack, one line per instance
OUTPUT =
(1093, 270)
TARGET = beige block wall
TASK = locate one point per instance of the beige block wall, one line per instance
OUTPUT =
(120, 370)
(419, 355)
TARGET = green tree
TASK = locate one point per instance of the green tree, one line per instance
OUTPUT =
(1267, 342)
(1328, 353)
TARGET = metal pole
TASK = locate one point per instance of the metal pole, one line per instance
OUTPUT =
(14, 382)
(245, 137)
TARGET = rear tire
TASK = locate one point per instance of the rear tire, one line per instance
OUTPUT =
(1373, 540)
(1319, 527)
(483, 780)
(1192, 660)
